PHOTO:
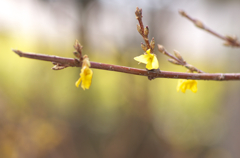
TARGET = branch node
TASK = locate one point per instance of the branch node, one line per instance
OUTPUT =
(221, 77)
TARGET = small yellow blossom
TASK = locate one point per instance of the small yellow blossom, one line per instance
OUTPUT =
(149, 59)
(85, 75)
(184, 84)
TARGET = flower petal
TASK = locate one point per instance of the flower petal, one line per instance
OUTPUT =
(142, 58)
(184, 84)
(85, 75)
(148, 51)
(155, 64)
(149, 65)
(179, 84)
(149, 59)
(87, 78)
(78, 82)
(194, 86)
(183, 87)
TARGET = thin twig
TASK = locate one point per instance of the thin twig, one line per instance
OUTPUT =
(55, 59)
(164, 74)
(178, 60)
(164, 51)
(144, 31)
(229, 40)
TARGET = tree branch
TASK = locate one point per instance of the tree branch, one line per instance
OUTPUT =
(229, 40)
(163, 74)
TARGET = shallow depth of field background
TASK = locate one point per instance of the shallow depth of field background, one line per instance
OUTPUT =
(43, 114)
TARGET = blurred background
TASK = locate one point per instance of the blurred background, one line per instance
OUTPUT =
(43, 114)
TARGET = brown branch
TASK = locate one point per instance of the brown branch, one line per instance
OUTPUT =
(55, 59)
(164, 74)
(229, 40)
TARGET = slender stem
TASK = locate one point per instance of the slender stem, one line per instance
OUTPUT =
(138, 13)
(145, 38)
(171, 56)
(178, 61)
(163, 74)
(231, 41)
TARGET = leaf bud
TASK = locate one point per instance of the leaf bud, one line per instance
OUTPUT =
(146, 31)
(161, 48)
(152, 44)
(178, 55)
(144, 47)
(174, 61)
(139, 29)
(199, 24)
(138, 13)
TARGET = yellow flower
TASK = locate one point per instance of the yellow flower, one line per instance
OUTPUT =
(85, 75)
(184, 84)
(149, 59)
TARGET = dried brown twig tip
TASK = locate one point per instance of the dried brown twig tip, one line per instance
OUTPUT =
(230, 40)
(18, 52)
(78, 47)
(178, 59)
